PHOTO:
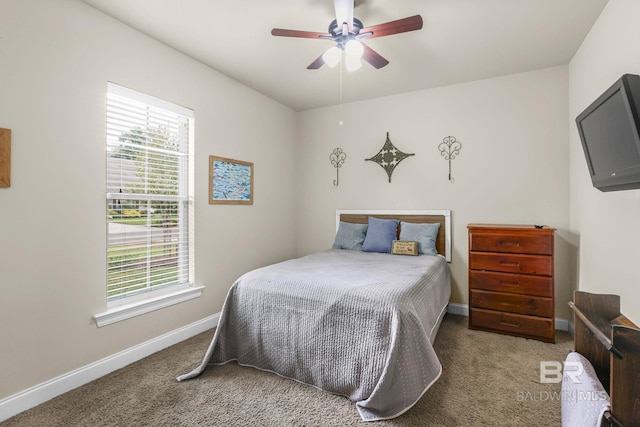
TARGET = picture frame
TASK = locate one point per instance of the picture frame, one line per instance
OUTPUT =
(5, 158)
(230, 181)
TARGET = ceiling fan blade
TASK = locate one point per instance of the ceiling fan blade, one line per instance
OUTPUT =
(319, 62)
(344, 12)
(373, 57)
(302, 34)
(411, 23)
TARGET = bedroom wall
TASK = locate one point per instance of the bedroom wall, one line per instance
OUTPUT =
(512, 167)
(606, 226)
(55, 60)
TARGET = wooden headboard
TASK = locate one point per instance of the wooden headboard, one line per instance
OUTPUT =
(611, 342)
(443, 217)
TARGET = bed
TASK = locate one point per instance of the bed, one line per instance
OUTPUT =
(359, 324)
(601, 379)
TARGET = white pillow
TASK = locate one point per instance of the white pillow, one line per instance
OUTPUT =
(584, 399)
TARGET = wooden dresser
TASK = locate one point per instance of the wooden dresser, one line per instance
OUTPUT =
(511, 283)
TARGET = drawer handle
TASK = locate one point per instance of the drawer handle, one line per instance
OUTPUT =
(509, 284)
(502, 242)
(515, 325)
(513, 263)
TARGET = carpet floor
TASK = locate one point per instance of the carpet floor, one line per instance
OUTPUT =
(488, 379)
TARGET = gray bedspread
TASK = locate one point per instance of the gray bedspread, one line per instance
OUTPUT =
(348, 322)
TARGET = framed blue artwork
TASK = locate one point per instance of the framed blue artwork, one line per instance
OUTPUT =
(230, 181)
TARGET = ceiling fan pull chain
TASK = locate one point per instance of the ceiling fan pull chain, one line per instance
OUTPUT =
(340, 122)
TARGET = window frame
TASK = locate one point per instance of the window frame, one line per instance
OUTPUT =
(124, 307)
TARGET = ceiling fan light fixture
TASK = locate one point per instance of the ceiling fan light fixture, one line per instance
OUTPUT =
(346, 32)
(354, 48)
(331, 56)
(352, 62)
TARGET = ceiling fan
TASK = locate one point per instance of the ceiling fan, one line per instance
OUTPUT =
(347, 32)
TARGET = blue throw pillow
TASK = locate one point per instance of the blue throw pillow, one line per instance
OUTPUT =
(350, 236)
(380, 235)
(425, 234)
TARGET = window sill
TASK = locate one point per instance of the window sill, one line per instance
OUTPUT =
(127, 311)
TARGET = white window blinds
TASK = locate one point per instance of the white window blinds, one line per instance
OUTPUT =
(148, 193)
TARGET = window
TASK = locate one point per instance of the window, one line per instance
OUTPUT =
(149, 197)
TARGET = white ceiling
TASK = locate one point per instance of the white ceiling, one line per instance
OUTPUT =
(461, 40)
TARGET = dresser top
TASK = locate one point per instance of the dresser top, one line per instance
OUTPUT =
(510, 227)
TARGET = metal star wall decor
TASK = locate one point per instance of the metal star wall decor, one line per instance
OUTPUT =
(388, 157)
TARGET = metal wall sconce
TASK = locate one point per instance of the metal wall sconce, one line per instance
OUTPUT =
(449, 149)
(337, 158)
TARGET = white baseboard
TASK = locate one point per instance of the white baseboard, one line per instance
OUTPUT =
(562, 324)
(47, 390)
(463, 310)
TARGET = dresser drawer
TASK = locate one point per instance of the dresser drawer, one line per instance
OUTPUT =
(521, 243)
(513, 303)
(518, 324)
(541, 286)
(511, 263)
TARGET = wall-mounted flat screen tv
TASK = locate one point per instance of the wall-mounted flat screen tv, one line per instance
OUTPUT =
(610, 134)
